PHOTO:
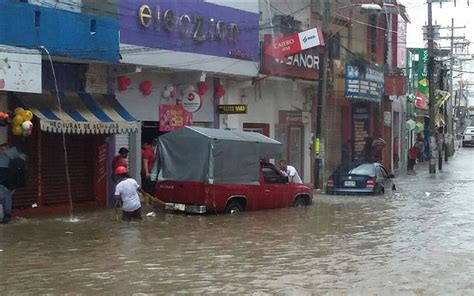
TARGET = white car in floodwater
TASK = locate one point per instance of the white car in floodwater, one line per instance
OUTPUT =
(468, 136)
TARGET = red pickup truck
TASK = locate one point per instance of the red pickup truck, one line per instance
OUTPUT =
(211, 170)
(273, 191)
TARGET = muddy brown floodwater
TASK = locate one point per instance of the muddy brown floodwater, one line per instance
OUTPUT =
(418, 240)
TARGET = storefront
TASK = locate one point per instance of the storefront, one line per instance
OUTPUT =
(176, 62)
(85, 120)
(279, 105)
(364, 88)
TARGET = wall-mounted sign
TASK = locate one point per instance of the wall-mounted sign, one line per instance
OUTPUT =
(232, 109)
(20, 71)
(360, 118)
(297, 42)
(173, 117)
(191, 101)
(387, 118)
(216, 27)
(364, 83)
(304, 65)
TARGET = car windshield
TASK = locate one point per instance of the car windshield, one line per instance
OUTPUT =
(366, 169)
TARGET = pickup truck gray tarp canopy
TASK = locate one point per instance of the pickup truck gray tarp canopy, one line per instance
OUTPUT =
(214, 156)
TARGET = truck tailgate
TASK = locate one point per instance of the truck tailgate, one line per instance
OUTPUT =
(184, 192)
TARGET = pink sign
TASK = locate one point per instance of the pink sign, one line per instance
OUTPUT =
(173, 117)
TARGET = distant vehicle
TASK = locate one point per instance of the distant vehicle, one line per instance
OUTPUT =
(360, 178)
(219, 171)
(468, 136)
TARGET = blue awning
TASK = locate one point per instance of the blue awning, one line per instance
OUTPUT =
(82, 113)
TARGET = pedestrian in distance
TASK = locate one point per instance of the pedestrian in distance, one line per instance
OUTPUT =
(126, 191)
(119, 160)
(412, 155)
(289, 171)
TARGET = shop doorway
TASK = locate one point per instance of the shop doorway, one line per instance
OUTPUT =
(295, 148)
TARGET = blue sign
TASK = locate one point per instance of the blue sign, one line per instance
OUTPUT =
(364, 83)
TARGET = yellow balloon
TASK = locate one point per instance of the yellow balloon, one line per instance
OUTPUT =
(19, 111)
(28, 115)
(17, 120)
(17, 131)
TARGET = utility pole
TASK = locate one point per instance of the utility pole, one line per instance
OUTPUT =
(431, 103)
(320, 127)
(448, 110)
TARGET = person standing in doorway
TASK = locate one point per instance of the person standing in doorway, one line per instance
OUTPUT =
(148, 160)
(119, 160)
(290, 172)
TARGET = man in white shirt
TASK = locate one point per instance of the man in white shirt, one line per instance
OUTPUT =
(127, 190)
(289, 171)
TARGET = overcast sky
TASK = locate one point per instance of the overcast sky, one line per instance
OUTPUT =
(418, 13)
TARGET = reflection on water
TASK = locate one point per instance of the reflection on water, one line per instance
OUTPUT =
(409, 242)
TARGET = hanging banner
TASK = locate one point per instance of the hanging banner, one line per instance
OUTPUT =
(422, 88)
(291, 44)
(173, 117)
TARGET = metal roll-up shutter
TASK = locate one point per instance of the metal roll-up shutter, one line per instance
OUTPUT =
(81, 155)
(27, 196)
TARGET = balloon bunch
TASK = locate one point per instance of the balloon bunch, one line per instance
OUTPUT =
(21, 124)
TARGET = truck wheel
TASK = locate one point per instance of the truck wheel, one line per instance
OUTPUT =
(299, 202)
(234, 207)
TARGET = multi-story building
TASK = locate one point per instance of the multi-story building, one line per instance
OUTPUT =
(57, 58)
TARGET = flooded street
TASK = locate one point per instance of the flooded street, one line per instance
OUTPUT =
(419, 240)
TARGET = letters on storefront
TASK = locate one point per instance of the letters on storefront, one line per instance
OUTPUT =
(304, 65)
(364, 83)
(200, 29)
(213, 28)
(232, 109)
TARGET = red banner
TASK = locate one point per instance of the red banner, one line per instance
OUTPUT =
(288, 45)
(304, 65)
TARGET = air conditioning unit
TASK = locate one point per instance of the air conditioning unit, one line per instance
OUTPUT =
(286, 24)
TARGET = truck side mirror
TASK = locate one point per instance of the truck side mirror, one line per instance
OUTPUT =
(286, 179)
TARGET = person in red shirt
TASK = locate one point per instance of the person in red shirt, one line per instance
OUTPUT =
(412, 155)
(148, 160)
(119, 160)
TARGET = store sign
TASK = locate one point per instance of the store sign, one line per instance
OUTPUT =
(422, 89)
(364, 83)
(20, 71)
(304, 65)
(232, 109)
(360, 118)
(289, 45)
(216, 28)
(191, 101)
(173, 117)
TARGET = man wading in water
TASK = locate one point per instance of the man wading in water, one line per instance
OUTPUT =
(127, 190)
